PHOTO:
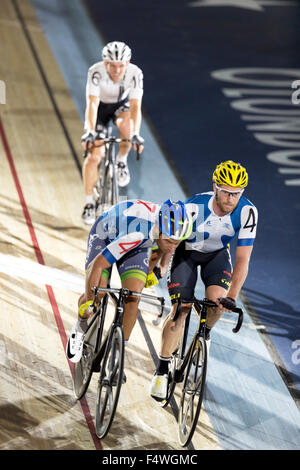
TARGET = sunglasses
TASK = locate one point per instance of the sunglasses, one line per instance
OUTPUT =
(234, 194)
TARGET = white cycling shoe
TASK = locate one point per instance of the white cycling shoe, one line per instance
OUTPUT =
(89, 214)
(75, 345)
(123, 175)
(159, 387)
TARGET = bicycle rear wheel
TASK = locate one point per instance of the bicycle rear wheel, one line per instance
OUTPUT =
(192, 392)
(83, 369)
(110, 382)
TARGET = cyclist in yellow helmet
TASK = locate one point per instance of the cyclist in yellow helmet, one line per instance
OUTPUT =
(219, 216)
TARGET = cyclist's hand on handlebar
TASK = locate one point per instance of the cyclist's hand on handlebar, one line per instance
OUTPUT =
(153, 278)
(226, 303)
(138, 143)
(88, 138)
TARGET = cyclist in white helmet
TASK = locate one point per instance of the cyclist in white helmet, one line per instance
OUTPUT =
(114, 91)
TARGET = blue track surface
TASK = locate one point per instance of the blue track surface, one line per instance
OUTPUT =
(180, 48)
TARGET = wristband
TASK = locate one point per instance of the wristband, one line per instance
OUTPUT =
(84, 307)
(151, 280)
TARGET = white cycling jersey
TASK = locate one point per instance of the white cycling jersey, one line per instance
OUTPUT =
(213, 232)
(101, 85)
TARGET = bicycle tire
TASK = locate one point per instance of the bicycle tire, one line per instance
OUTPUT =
(115, 187)
(99, 186)
(110, 382)
(114, 197)
(83, 369)
(171, 382)
(107, 197)
(192, 392)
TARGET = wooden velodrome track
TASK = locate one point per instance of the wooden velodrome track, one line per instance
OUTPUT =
(43, 244)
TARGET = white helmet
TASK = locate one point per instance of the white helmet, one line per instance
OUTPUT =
(116, 51)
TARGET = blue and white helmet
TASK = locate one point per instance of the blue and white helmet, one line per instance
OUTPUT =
(174, 220)
(116, 51)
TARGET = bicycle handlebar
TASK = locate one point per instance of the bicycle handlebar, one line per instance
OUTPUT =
(110, 140)
(210, 303)
(126, 292)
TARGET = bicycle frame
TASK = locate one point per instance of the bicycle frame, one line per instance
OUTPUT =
(119, 302)
(201, 309)
(184, 355)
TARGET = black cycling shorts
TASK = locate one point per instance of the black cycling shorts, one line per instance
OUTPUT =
(215, 269)
(110, 111)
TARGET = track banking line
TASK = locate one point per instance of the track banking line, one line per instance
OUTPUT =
(247, 400)
(40, 259)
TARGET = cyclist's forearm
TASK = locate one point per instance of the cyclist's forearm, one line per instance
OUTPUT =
(239, 275)
(93, 275)
(91, 113)
(136, 115)
(154, 259)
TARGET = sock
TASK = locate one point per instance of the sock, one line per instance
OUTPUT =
(82, 324)
(89, 199)
(122, 158)
(163, 365)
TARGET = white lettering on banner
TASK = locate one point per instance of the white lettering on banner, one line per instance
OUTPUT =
(296, 354)
(272, 115)
(248, 4)
(295, 95)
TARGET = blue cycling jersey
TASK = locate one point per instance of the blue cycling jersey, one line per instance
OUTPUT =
(126, 226)
(212, 232)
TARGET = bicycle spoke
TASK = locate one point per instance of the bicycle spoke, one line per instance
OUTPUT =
(192, 392)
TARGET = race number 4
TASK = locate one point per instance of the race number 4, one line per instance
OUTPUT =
(251, 221)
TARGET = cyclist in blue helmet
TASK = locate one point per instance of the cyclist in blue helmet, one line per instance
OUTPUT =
(123, 235)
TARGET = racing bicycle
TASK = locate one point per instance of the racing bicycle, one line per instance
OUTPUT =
(106, 190)
(189, 365)
(105, 354)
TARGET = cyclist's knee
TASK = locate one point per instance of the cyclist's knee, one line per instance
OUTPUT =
(180, 316)
(124, 127)
(93, 159)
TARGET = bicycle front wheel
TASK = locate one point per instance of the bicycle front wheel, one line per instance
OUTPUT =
(192, 393)
(110, 382)
(83, 369)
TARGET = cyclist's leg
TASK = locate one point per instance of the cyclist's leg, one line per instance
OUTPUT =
(182, 279)
(90, 168)
(131, 305)
(133, 270)
(95, 245)
(123, 123)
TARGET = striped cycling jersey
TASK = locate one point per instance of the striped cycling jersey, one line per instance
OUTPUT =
(126, 226)
(212, 232)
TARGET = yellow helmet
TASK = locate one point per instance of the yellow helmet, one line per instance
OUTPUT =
(231, 174)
